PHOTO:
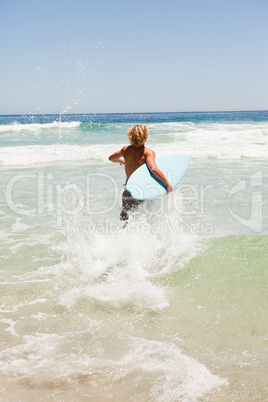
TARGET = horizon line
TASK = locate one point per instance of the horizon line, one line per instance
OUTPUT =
(124, 113)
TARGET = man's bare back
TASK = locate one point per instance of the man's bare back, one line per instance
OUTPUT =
(134, 157)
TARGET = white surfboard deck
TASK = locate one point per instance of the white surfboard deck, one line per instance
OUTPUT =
(142, 185)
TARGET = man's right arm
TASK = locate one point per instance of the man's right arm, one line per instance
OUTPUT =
(117, 156)
(150, 161)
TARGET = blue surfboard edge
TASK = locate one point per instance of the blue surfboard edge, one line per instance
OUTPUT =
(148, 180)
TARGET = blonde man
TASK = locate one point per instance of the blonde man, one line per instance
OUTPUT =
(134, 156)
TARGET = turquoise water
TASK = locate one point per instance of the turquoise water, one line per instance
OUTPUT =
(174, 307)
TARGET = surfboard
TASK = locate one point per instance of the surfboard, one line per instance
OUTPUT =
(142, 185)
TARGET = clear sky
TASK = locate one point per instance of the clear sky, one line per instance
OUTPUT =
(108, 56)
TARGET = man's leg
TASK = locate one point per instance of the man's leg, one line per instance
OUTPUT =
(128, 203)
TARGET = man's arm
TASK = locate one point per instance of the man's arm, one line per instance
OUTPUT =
(117, 156)
(150, 160)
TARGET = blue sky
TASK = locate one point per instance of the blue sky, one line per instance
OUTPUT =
(125, 56)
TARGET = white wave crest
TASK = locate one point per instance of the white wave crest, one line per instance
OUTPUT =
(21, 156)
(18, 127)
(47, 154)
(214, 151)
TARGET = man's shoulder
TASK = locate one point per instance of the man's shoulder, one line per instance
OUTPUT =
(124, 148)
(149, 152)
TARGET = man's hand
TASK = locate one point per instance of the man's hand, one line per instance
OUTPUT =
(169, 188)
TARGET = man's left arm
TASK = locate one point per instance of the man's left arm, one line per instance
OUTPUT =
(150, 161)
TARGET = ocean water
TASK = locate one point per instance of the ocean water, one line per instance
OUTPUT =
(171, 308)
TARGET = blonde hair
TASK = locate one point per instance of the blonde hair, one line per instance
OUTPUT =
(138, 135)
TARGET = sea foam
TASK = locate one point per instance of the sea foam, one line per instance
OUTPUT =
(22, 156)
(18, 127)
(47, 154)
